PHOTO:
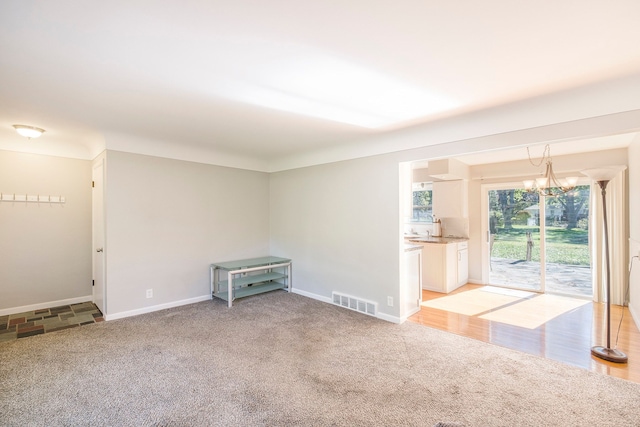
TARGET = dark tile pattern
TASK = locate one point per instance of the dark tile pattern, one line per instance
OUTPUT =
(21, 325)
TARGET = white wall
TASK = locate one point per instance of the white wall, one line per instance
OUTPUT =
(340, 224)
(45, 249)
(167, 220)
(634, 227)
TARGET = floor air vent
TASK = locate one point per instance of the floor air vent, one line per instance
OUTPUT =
(356, 304)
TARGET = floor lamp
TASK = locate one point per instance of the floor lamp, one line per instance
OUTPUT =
(602, 176)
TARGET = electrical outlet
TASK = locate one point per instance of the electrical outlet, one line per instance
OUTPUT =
(149, 293)
(390, 301)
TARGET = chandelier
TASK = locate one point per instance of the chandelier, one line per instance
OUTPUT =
(548, 185)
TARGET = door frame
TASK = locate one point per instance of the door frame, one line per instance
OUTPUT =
(98, 259)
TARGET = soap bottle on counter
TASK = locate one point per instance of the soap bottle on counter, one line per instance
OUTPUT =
(437, 228)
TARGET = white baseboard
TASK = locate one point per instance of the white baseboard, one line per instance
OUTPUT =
(387, 317)
(123, 314)
(312, 295)
(328, 300)
(475, 282)
(158, 307)
(40, 306)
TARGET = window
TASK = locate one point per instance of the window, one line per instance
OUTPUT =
(422, 202)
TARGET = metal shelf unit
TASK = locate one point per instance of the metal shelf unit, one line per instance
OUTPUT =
(249, 277)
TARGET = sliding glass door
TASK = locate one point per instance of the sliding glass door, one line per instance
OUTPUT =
(539, 243)
(514, 239)
(568, 264)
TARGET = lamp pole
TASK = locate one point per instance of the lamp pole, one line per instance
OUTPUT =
(602, 175)
(607, 353)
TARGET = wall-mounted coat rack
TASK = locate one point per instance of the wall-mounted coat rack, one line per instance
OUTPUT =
(37, 198)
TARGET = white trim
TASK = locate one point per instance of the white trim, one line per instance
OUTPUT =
(475, 282)
(411, 313)
(158, 307)
(381, 316)
(634, 252)
(635, 316)
(40, 306)
(328, 300)
(389, 318)
(485, 254)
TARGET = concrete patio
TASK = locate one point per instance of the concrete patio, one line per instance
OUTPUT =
(565, 279)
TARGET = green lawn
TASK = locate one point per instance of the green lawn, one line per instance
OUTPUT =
(563, 246)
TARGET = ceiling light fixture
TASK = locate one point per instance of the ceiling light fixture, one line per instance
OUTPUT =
(549, 185)
(28, 131)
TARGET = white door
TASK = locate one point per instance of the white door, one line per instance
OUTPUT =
(97, 205)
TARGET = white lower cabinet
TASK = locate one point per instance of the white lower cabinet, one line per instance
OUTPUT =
(444, 266)
(463, 263)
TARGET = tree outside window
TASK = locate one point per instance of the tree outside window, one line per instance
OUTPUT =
(422, 204)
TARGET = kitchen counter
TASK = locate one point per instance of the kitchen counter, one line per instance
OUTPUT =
(441, 240)
(409, 247)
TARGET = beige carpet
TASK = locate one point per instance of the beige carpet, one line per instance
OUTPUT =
(535, 312)
(471, 303)
(281, 359)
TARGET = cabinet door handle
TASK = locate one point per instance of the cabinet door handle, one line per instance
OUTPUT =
(99, 250)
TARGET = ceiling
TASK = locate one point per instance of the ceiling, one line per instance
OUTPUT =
(259, 79)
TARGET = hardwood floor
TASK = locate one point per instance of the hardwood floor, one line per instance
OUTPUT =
(566, 338)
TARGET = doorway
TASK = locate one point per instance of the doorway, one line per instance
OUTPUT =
(538, 243)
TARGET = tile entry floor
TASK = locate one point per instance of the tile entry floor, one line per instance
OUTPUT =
(36, 322)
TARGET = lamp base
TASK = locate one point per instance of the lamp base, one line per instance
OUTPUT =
(610, 354)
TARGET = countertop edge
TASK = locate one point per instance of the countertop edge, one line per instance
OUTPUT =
(437, 240)
(409, 247)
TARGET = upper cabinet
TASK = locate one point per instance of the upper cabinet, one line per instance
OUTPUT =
(448, 169)
(450, 199)
(450, 186)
